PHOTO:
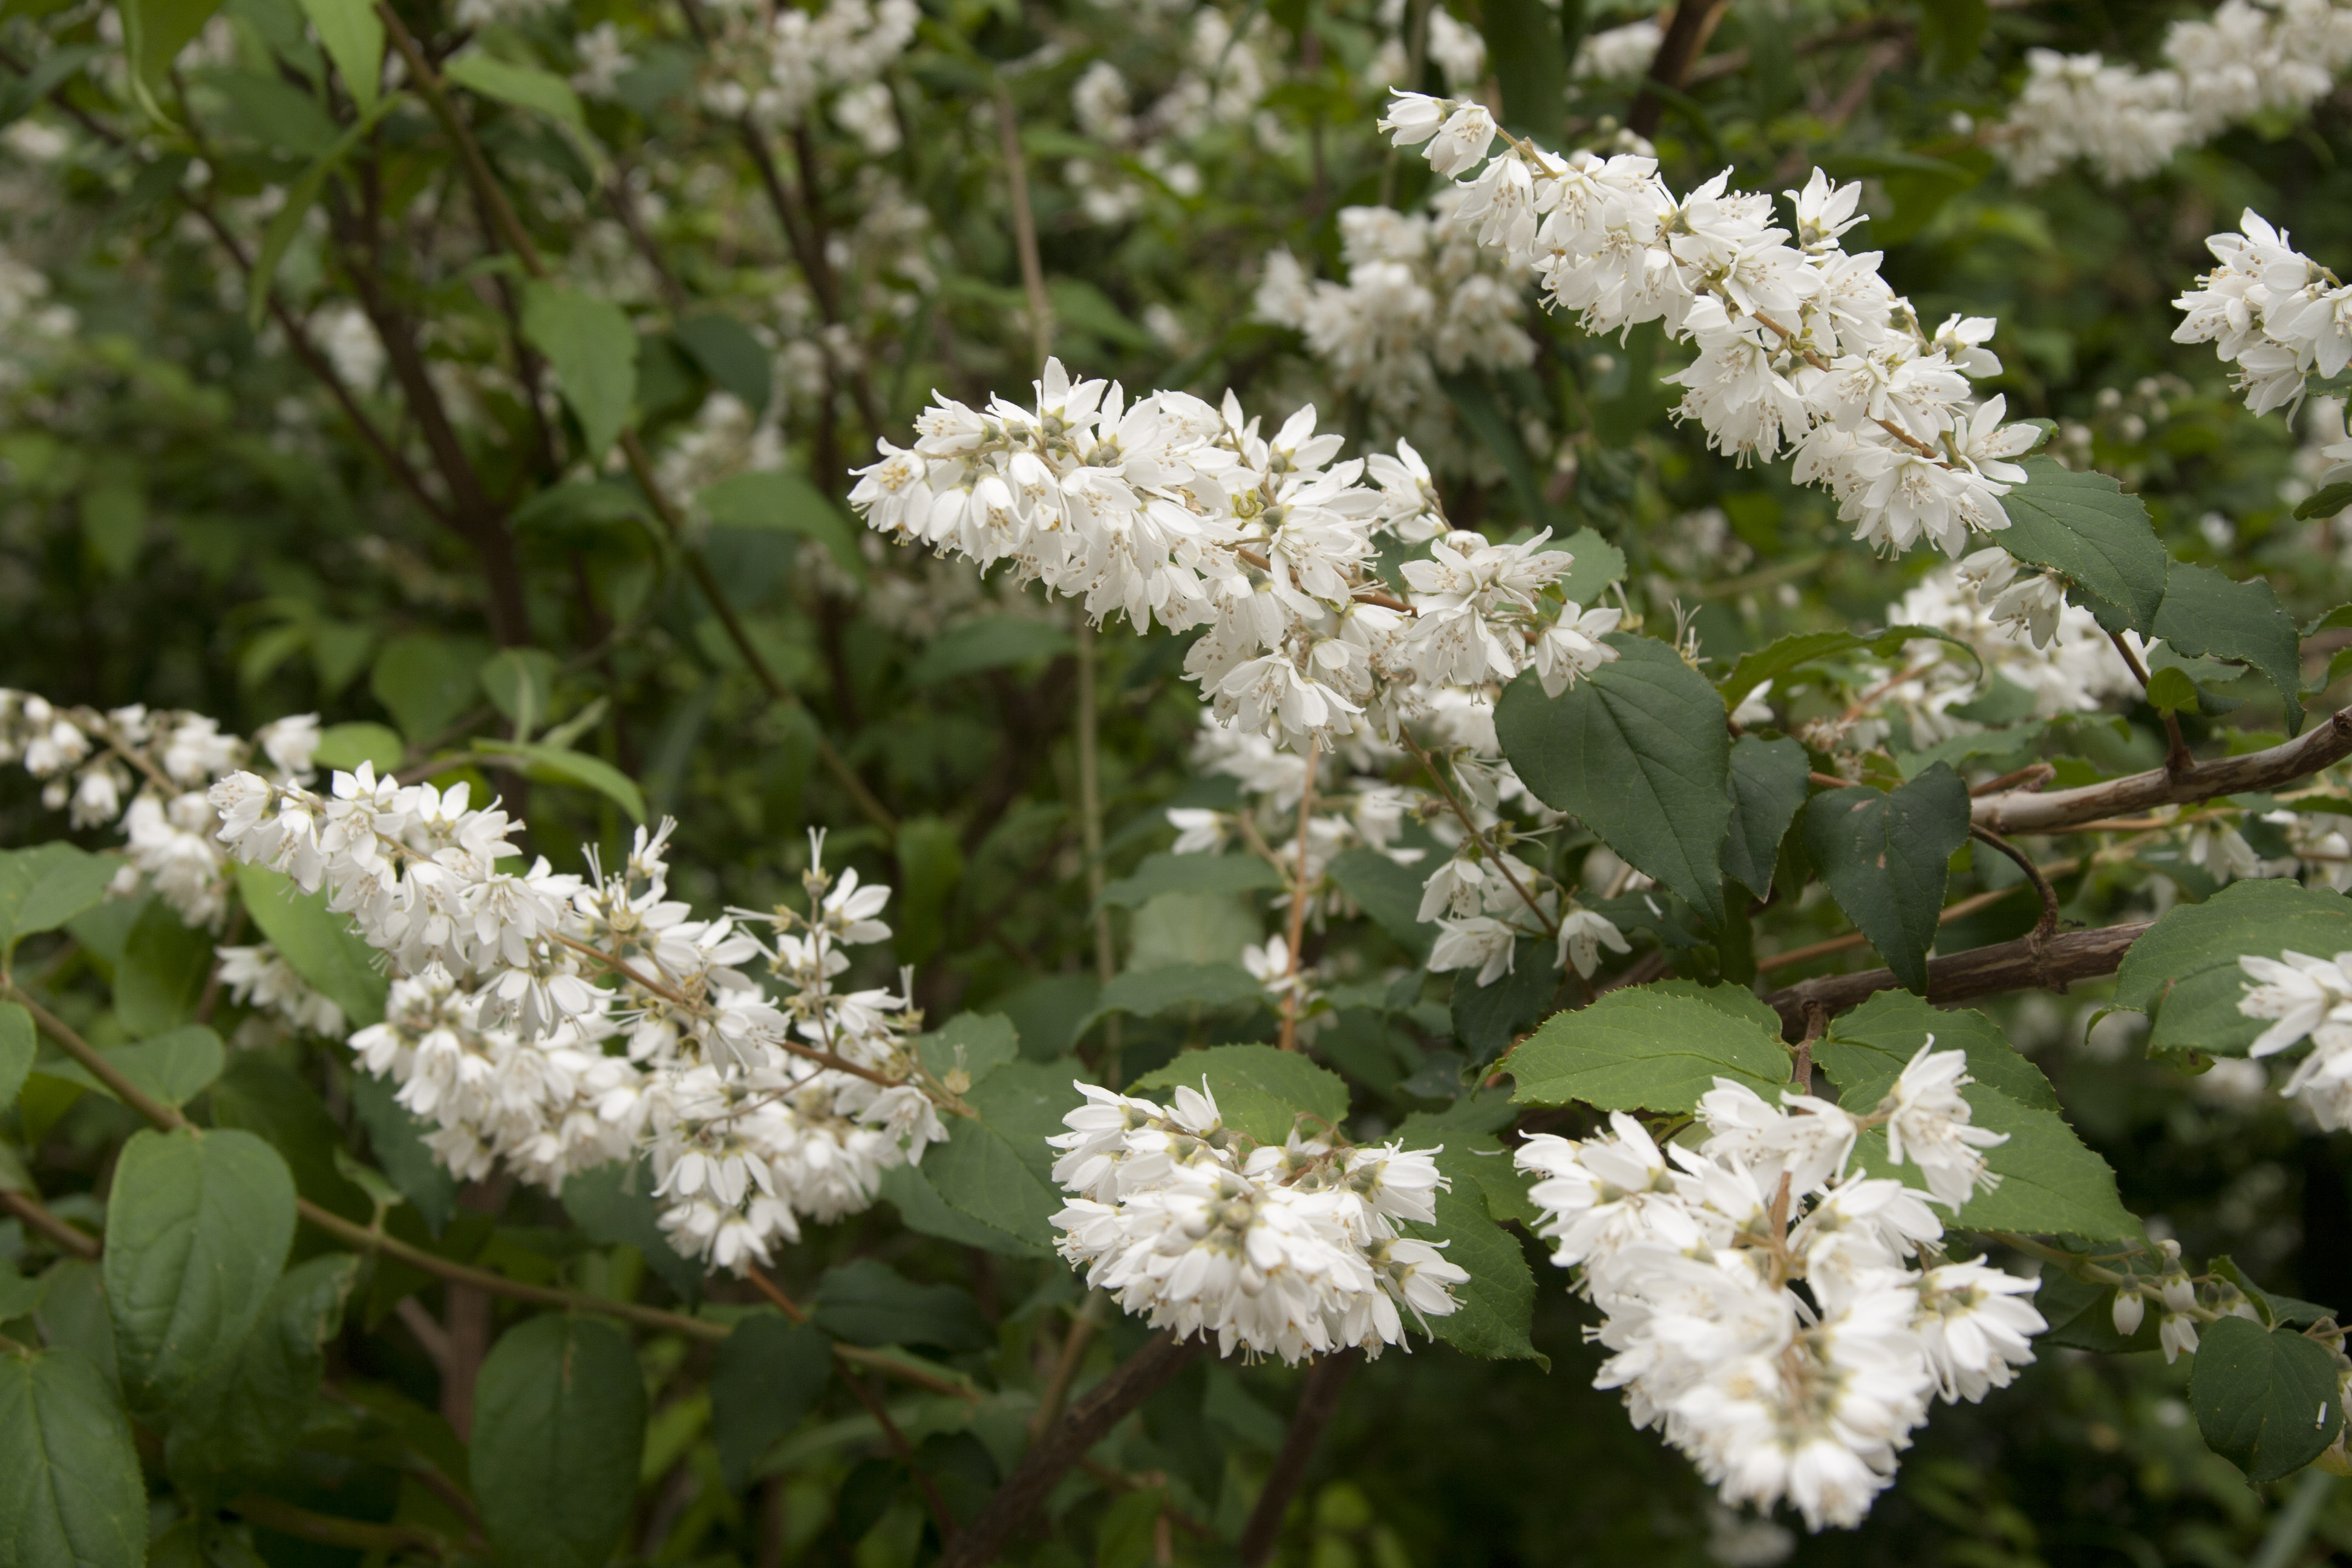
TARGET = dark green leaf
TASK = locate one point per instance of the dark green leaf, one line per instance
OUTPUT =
(1884, 857)
(778, 499)
(1523, 45)
(1495, 1307)
(1488, 1018)
(765, 1379)
(614, 1205)
(174, 1066)
(353, 37)
(867, 1303)
(559, 1427)
(1259, 1089)
(2184, 973)
(2085, 528)
(560, 764)
(154, 32)
(1767, 787)
(1873, 1043)
(343, 747)
(196, 1229)
(997, 1168)
(1951, 31)
(1638, 752)
(909, 1190)
(243, 1422)
(520, 684)
(1801, 648)
(396, 1137)
(1389, 893)
(2265, 1398)
(1148, 992)
(316, 943)
(278, 1106)
(588, 341)
(2206, 614)
(930, 867)
(1194, 874)
(991, 642)
(163, 972)
(17, 1049)
(729, 356)
(1645, 1049)
(973, 1044)
(2326, 501)
(71, 1495)
(67, 882)
(426, 681)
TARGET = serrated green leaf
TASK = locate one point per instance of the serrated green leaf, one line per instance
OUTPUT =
(1885, 857)
(869, 1303)
(593, 351)
(162, 976)
(997, 1168)
(765, 1378)
(974, 1044)
(2085, 528)
(1597, 565)
(2265, 1398)
(2184, 974)
(1488, 1018)
(922, 1210)
(2326, 501)
(244, 1421)
(2206, 614)
(71, 1493)
(1389, 893)
(1189, 874)
(316, 943)
(396, 1137)
(1736, 1000)
(68, 882)
(196, 1230)
(729, 356)
(1645, 1049)
(2169, 690)
(1767, 789)
(614, 1205)
(1148, 992)
(559, 1427)
(1259, 1089)
(1870, 1046)
(1638, 752)
(1495, 1307)
(174, 1066)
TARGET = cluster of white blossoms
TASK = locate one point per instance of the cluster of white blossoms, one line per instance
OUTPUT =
(145, 773)
(1175, 509)
(2306, 998)
(1782, 1322)
(2253, 57)
(771, 67)
(1802, 347)
(258, 976)
(1288, 1249)
(1223, 82)
(2277, 315)
(551, 1022)
(1423, 298)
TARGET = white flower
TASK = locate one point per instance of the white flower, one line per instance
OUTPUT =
(1583, 935)
(1927, 1125)
(1480, 942)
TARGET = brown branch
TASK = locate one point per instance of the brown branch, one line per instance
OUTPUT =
(1317, 1403)
(1685, 36)
(1089, 1422)
(2048, 924)
(1072, 1353)
(328, 1529)
(1024, 226)
(66, 1239)
(1462, 813)
(906, 1454)
(1298, 902)
(2025, 963)
(2051, 811)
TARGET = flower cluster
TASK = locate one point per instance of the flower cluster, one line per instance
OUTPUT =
(1223, 82)
(1423, 298)
(2307, 997)
(1781, 1322)
(146, 774)
(551, 1022)
(1289, 1250)
(771, 70)
(1176, 509)
(2254, 57)
(2277, 315)
(1802, 347)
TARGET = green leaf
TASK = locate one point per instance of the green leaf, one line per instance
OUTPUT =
(162, 976)
(17, 1049)
(560, 764)
(317, 943)
(2169, 690)
(68, 880)
(396, 1138)
(1148, 993)
(154, 34)
(1166, 873)
(426, 681)
(1259, 1089)
(525, 87)
(990, 642)
(1389, 893)
(2085, 528)
(243, 1422)
(2326, 501)
(869, 1303)
(1951, 32)
(286, 223)
(277, 1104)
(1523, 47)
(114, 524)
(774, 498)
(1638, 752)
(2184, 974)
(2207, 614)
(1767, 787)
(1495, 1307)
(343, 747)
(930, 867)
(1643, 1049)
(1884, 857)
(559, 1427)
(196, 1229)
(2265, 1398)
(764, 1380)
(974, 1044)
(1598, 564)
(520, 684)
(174, 1066)
(590, 345)
(1872, 1044)
(1472, 394)
(735, 360)
(614, 1205)
(71, 1493)
(1795, 651)
(1488, 1018)
(353, 39)
(1736, 1000)
(997, 1168)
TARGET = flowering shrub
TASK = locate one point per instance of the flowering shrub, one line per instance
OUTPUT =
(1365, 803)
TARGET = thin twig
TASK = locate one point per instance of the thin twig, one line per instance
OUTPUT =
(1025, 225)
(1470, 826)
(906, 1454)
(1072, 1355)
(31, 1210)
(2048, 923)
(1317, 1401)
(1299, 901)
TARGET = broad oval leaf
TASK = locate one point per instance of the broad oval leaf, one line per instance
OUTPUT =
(766, 1377)
(1259, 1089)
(317, 943)
(2085, 528)
(244, 1421)
(559, 1428)
(1801, 648)
(71, 1495)
(588, 341)
(2208, 615)
(1638, 752)
(196, 1229)
(1495, 1308)
(1167, 873)
(870, 1303)
(1767, 789)
(1884, 857)
(175, 1066)
(2184, 974)
(2265, 1398)
(525, 87)
(1645, 1049)
(996, 1167)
